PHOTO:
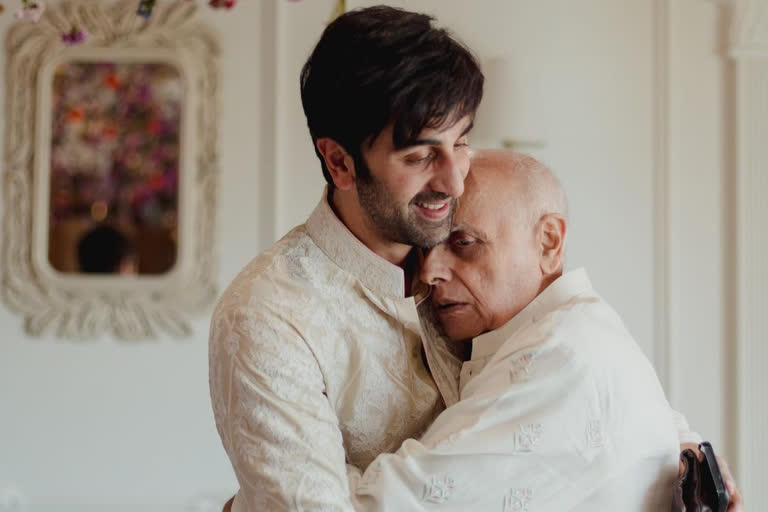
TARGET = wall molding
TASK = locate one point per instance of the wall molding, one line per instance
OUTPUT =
(749, 48)
(662, 340)
(749, 29)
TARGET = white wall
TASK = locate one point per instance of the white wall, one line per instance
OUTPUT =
(699, 248)
(110, 423)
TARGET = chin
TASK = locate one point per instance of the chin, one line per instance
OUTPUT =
(459, 332)
(428, 238)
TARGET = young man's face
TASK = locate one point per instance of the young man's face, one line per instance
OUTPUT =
(409, 194)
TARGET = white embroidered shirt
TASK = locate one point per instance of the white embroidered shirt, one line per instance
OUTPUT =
(559, 410)
(315, 360)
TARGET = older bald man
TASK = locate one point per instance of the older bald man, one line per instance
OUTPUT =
(559, 409)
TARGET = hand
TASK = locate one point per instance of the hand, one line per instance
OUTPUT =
(695, 449)
(737, 503)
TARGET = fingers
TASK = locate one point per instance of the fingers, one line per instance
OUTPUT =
(737, 503)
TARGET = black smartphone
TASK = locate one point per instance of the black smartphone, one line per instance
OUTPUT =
(712, 480)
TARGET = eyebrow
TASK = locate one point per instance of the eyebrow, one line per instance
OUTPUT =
(470, 230)
(435, 142)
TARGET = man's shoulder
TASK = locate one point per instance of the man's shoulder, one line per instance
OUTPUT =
(293, 258)
(290, 277)
(583, 330)
(583, 315)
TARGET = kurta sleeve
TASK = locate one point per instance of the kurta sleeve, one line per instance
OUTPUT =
(276, 423)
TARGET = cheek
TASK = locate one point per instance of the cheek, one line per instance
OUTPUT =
(464, 162)
(405, 186)
(483, 288)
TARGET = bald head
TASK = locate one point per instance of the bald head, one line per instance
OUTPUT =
(505, 246)
(517, 182)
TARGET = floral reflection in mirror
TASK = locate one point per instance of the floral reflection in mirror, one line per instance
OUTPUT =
(114, 167)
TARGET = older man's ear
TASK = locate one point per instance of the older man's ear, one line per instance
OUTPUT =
(551, 233)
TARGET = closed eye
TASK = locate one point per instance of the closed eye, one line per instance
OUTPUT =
(418, 160)
(463, 241)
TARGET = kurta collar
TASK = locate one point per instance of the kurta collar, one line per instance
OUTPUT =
(564, 288)
(348, 252)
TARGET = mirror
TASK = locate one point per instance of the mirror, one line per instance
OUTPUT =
(111, 169)
(114, 169)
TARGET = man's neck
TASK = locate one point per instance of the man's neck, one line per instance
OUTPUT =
(349, 212)
(546, 281)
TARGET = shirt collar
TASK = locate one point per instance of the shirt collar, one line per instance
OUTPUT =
(349, 253)
(562, 289)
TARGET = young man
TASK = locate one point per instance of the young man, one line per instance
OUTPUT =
(559, 408)
(315, 348)
(315, 353)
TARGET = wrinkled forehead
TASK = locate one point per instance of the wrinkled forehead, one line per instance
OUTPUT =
(484, 204)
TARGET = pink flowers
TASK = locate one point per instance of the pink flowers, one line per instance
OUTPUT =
(30, 10)
(218, 4)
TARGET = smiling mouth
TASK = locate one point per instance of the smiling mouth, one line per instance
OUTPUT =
(435, 210)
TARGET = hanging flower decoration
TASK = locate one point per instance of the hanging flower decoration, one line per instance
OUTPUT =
(74, 36)
(218, 4)
(31, 10)
(145, 8)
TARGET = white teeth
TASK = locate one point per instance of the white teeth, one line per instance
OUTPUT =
(431, 206)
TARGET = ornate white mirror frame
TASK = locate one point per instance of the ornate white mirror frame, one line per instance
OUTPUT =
(82, 306)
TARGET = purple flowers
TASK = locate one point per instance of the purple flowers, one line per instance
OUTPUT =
(74, 36)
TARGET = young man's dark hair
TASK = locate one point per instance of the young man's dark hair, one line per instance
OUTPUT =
(379, 65)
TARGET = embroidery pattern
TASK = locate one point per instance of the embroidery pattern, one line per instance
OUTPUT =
(595, 434)
(528, 438)
(517, 500)
(438, 490)
(521, 367)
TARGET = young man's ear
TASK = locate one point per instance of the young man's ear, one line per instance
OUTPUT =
(340, 164)
(552, 229)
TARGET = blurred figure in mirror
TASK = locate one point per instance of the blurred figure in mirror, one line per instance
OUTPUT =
(106, 250)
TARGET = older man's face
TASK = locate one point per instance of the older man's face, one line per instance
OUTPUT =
(488, 269)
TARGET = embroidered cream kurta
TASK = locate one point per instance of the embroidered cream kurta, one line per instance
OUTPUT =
(559, 410)
(315, 361)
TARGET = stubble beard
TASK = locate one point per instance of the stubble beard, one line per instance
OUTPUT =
(397, 224)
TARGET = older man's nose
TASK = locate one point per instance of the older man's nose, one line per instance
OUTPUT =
(435, 268)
